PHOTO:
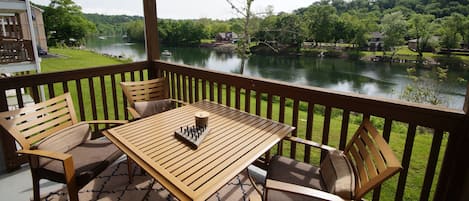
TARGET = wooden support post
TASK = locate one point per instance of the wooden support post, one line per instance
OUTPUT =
(151, 36)
(453, 180)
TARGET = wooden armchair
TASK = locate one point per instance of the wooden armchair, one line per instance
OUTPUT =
(148, 97)
(59, 147)
(366, 162)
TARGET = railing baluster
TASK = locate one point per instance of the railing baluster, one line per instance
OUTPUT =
(50, 87)
(431, 165)
(258, 103)
(65, 86)
(124, 99)
(387, 129)
(294, 133)
(19, 97)
(405, 162)
(247, 100)
(184, 88)
(269, 106)
(344, 129)
(191, 89)
(142, 77)
(228, 95)
(173, 85)
(325, 130)
(93, 102)
(104, 98)
(179, 86)
(114, 96)
(220, 93)
(204, 89)
(281, 119)
(35, 94)
(132, 76)
(81, 105)
(238, 97)
(197, 88)
(210, 83)
(309, 131)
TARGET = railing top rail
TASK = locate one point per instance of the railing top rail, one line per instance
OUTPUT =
(62, 76)
(420, 114)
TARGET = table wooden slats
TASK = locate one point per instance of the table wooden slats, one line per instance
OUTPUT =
(236, 139)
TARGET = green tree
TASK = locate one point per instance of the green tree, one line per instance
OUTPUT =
(321, 22)
(450, 31)
(422, 29)
(135, 31)
(65, 23)
(394, 28)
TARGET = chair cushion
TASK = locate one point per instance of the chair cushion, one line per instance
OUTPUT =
(337, 174)
(291, 171)
(66, 139)
(90, 158)
(148, 108)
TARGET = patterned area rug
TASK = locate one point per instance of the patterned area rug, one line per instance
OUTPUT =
(113, 185)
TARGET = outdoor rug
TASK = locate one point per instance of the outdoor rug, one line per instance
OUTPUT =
(113, 185)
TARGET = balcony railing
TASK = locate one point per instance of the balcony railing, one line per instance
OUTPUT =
(15, 51)
(319, 114)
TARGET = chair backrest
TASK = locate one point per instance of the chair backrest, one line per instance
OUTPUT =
(372, 158)
(155, 89)
(31, 124)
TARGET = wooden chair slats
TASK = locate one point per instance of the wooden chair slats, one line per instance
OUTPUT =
(24, 121)
(46, 126)
(37, 137)
(370, 166)
(375, 153)
(155, 89)
(359, 163)
(374, 159)
(43, 119)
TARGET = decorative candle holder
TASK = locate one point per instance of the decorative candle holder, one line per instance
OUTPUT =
(201, 118)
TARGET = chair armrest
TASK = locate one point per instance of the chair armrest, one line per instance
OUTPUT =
(134, 113)
(309, 143)
(46, 154)
(254, 196)
(107, 122)
(179, 101)
(293, 188)
(66, 159)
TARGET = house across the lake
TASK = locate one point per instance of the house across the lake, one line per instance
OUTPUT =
(375, 43)
(230, 37)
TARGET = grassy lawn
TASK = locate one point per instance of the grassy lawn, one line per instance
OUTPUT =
(406, 53)
(73, 59)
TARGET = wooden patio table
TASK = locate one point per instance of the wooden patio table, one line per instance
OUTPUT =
(236, 139)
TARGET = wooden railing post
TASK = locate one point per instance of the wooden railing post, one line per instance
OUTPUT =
(453, 181)
(151, 36)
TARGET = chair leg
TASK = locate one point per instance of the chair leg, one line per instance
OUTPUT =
(36, 191)
(72, 191)
(129, 169)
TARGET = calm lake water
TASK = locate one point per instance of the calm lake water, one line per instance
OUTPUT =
(375, 79)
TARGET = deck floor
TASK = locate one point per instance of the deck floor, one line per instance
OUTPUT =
(113, 184)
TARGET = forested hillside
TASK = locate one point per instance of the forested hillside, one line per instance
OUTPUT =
(111, 24)
(328, 21)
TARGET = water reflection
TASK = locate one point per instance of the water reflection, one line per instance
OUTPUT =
(377, 79)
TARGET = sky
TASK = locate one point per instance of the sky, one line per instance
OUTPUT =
(183, 9)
